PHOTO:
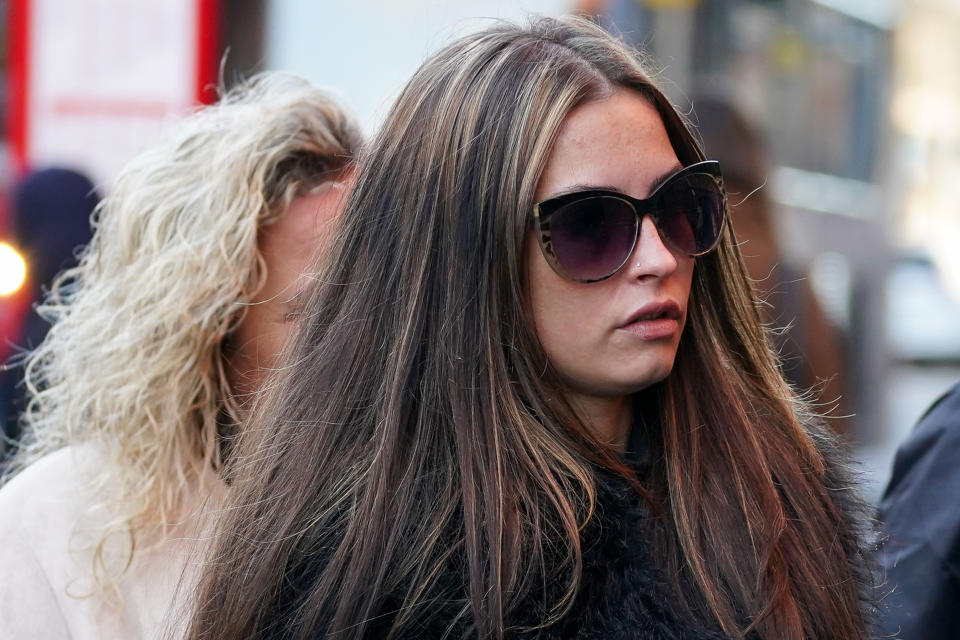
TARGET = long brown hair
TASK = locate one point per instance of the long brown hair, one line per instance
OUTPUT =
(418, 431)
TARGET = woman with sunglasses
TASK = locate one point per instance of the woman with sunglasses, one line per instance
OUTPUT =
(160, 337)
(531, 395)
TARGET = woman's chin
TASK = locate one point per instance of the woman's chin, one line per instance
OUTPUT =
(629, 382)
(642, 380)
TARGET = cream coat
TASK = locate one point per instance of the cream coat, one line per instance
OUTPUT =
(50, 524)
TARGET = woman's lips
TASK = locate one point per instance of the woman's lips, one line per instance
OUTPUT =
(653, 329)
(655, 320)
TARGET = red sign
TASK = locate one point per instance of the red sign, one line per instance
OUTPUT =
(92, 83)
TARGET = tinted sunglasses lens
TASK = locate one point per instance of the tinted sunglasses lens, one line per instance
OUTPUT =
(592, 237)
(692, 214)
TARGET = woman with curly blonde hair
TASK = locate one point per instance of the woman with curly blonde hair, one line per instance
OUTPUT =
(177, 309)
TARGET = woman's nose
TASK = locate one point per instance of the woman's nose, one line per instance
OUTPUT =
(651, 257)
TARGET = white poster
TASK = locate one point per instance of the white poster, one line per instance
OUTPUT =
(104, 77)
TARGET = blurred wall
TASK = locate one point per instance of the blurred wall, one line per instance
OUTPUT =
(365, 50)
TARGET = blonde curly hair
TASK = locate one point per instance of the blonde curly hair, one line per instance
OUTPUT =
(134, 362)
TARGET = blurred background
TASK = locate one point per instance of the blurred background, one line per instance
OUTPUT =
(837, 123)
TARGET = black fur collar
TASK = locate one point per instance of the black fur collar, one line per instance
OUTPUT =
(624, 592)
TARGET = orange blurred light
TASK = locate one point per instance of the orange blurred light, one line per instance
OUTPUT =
(13, 270)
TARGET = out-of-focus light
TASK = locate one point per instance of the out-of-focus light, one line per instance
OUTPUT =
(926, 112)
(826, 193)
(930, 223)
(879, 13)
(13, 270)
(671, 4)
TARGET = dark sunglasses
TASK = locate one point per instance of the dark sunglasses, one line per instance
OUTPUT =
(588, 236)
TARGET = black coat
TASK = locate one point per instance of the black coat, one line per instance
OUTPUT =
(921, 514)
(624, 590)
(624, 593)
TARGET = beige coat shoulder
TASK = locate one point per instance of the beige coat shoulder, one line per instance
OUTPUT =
(51, 521)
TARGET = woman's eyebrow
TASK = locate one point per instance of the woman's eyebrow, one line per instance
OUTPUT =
(584, 187)
(657, 182)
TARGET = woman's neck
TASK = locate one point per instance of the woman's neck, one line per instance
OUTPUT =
(609, 419)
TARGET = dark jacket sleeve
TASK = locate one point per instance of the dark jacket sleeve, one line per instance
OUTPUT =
(921, 516)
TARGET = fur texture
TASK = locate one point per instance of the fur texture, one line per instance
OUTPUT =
(624, 591)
